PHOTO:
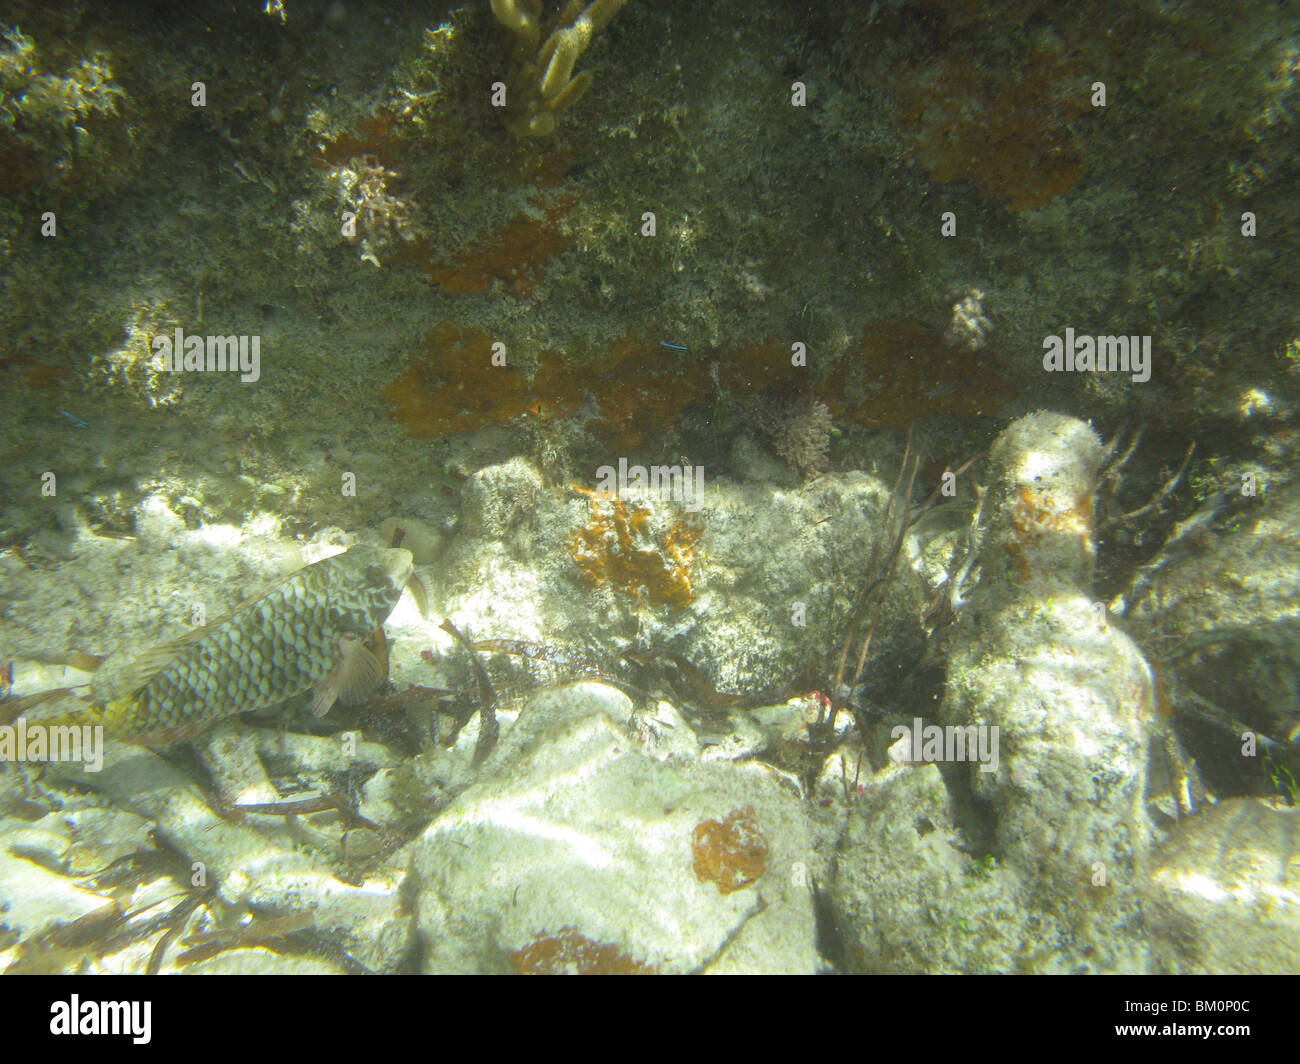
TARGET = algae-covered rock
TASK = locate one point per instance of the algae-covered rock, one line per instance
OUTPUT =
(1054, 698)
(1219, 607)
(909, 895)
(1223, 893)
(253, 866)
(580, 851)
(1036, 657)
(750, 584)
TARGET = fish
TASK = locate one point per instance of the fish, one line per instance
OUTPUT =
(312, 631)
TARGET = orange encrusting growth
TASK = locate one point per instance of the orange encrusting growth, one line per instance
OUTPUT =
(902, 372)
(1037, 514)
(1009, 133)
(618, 548)
(515, 255)
(733, 853)
(455, 387)
(376, 135)
(568, 952)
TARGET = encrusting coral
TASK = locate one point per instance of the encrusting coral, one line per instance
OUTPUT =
(542, 83)
(731, 854)
(568, 951)
(617, 547)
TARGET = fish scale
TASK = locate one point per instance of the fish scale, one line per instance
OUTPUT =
(274, 648)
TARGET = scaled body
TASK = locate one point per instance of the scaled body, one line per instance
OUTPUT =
(304, 633)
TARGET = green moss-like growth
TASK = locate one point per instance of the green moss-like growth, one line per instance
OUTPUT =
(48, 122)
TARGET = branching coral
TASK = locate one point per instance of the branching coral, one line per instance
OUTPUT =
(377, 215)
(542, 82)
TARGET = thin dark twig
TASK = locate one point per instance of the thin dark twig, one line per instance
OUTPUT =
(1168, 486)
(864, 590)
(488, 727)
(176, 918)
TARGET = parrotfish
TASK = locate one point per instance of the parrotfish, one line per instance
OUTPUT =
(319, 629)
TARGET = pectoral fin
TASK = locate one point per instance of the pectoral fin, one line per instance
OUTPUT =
(418, 594)
(362, 667)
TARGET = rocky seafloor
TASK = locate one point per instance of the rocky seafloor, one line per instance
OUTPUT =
(799, 261)
(634, 817)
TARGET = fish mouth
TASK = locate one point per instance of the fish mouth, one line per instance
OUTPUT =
(397, 563)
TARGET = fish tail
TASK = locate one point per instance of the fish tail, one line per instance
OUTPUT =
(68, 709)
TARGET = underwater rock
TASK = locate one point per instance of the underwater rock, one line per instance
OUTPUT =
(1060, 697)
(261, 868)
(229, 753)
(117, 596)
(578, 851)
(294, 752)
(260, 962)
(157, 525)
(1035, 656)
(1220, 611)
(908, 895)
(792, 721)
(425, 542)
(744, 582)
(1223, 892)
(97, 837)
(496, 498)
(34, 898)
(752, 461)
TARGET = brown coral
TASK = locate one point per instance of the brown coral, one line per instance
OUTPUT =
(569, 952)
(733, 853)
(617, 548)
(1009, 133)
